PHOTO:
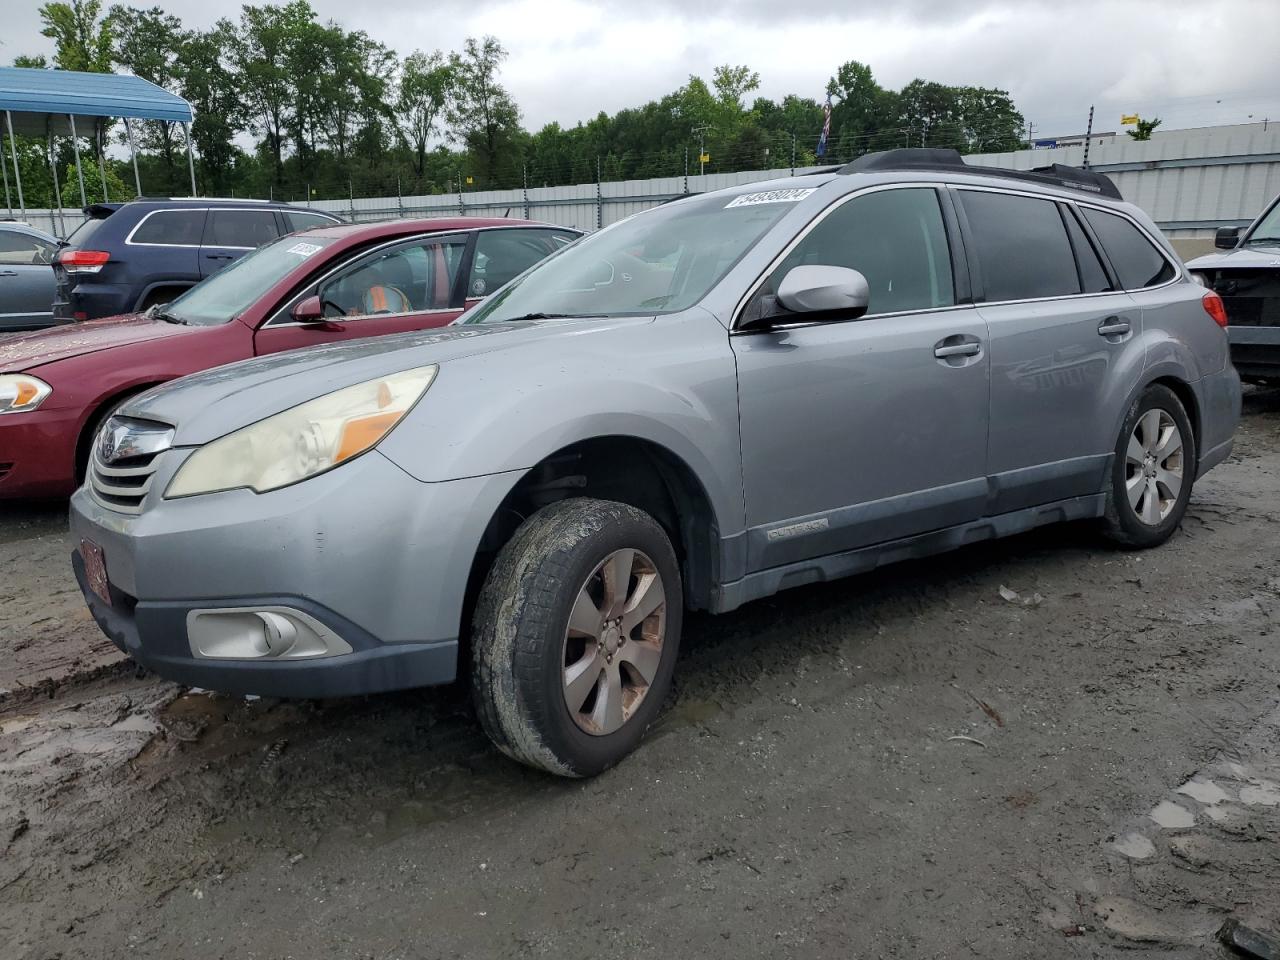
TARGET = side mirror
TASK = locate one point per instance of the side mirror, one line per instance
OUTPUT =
(814, 293)
(1227, 238)
(308, 310)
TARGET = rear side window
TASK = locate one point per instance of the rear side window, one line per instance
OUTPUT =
(240, 228)
(171, 227)
(305, 221)
(894, 238)
(22, 248)
(1136, 260)
(82, 234)
(1023, 250)
(1092, 276)
(502, 255)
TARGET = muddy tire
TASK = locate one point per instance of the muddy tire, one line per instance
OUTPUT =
(1153, 471)
(575, 636)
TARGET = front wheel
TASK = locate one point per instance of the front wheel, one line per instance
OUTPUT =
(1154, 469)
(575, 636)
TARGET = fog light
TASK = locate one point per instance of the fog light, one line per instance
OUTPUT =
(260, 633)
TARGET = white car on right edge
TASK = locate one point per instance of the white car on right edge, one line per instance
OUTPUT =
(1247, 277)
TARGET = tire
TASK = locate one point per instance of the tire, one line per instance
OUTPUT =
(525, 648)
(1147, 469)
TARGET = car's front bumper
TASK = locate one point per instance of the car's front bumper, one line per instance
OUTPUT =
(38, 453)
(378, 558)
(1255, 350)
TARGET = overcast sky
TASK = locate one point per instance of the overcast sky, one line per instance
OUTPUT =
(1190, 62)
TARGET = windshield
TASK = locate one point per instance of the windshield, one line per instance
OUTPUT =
(236, 287)
(1268, 228)
(660, 261)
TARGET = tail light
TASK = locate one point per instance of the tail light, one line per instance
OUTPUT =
(1214, 307)
(83, 261)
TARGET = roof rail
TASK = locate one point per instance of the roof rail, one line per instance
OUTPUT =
(920, 158)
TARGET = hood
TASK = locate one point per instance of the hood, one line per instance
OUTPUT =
(24, 351)
(210, 404)
(1242, 258)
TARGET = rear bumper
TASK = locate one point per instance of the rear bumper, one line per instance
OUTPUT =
(38, 453)
(94, 300)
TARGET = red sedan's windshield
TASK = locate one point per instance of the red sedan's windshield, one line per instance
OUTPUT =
(233, 289)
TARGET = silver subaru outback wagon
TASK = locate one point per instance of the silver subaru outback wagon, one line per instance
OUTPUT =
(696, 407)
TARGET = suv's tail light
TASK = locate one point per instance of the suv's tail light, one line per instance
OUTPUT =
(1214, 307)
(83, 261)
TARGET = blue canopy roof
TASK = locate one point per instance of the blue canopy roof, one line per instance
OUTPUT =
(40, 100)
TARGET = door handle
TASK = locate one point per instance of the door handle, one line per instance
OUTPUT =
(8, 273)
(1113, 326)
(219, 256)
(957, 350)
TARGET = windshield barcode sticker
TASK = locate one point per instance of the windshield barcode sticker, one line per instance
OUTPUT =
(794, 195)
(304, 249)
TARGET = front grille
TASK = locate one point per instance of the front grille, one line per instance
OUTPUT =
(1251, 297)
(122, 485)
(1252, 311)
(123, 461)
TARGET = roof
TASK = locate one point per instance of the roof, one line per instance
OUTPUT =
(40, 100)
(917, 158)
(393, 228)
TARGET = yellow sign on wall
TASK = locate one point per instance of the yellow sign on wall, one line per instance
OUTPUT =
(704, 158)
(1129, 119)
(470, 181)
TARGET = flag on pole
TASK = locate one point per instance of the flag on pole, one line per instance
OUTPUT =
(826, 129)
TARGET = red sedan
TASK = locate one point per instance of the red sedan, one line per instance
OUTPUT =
(329, 284)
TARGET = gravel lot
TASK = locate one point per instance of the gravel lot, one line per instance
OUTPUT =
(805, 794)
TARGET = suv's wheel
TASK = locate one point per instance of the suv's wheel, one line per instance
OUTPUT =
(576, 633)
(1155, 466)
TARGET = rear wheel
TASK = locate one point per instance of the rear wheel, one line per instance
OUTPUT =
(576, 635)
(1153, 472)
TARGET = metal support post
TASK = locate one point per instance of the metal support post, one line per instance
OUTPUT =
(75, 145)
(17, 174)
(133, 155)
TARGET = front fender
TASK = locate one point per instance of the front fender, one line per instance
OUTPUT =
(672, 383)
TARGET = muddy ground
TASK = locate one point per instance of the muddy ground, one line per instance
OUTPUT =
(1117, 787)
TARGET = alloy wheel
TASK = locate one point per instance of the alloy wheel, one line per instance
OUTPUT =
(1154, 466)
(613, 644)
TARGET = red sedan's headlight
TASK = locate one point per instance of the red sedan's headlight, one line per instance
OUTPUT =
(20, 393)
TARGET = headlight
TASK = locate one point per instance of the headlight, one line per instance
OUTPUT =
(20, 393)
(308, 439)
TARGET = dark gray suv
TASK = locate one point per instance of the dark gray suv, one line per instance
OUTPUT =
(696, 407)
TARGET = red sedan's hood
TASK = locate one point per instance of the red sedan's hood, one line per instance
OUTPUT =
(27, 350)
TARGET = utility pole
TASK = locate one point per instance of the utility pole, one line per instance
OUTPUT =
(524, 168)
(1031, 132)
(701, 131)
(1088, 135)
(686, 172)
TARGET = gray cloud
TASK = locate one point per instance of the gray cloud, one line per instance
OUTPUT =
(1192, 62)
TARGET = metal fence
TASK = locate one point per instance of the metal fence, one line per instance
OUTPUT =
(1188, 181)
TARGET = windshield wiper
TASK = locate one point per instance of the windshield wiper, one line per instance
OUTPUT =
(155, 313)
(543, 316)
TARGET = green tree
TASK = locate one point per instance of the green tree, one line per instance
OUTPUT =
(116, 187)
(425, 89)
(259, 50)
(205, 81)
(1144, 129)
(82, 38)
(148, 43)
(482, 115)
(30, 62)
